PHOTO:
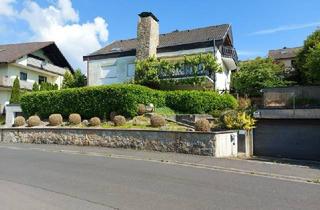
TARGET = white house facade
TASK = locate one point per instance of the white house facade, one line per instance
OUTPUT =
(30, 62)
(115, 63)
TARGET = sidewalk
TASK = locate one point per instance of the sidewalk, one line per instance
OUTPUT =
(290, 170)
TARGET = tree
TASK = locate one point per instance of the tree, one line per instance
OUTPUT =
(74, 80)
(80, 80)
(307, 63)
(35, 87)
(68, 80)
(15, 94)
(257, 74)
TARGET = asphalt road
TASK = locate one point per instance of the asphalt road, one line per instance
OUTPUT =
(35, 179)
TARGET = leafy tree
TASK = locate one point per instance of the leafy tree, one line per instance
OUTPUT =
(257, 74)
(74, 80)
(307, 62)
(35, 87)
(68, 80)
(15, 94)
(80, 80)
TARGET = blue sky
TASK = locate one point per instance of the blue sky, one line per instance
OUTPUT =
(82, 26)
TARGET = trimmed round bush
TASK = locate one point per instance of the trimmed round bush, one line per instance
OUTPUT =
(157, 121)
(202, 125)
(19, 121)
(74, 119)
(33, 121)
(94, 121)
(119, 120)
(141, 109)
(112, 115)
(55, 119)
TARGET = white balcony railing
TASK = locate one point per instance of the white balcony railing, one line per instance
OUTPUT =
(8, 82)
(33, 62)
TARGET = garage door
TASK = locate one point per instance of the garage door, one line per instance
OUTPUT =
(297, 139)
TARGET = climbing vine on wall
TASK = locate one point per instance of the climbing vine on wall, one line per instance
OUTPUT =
(152, 70)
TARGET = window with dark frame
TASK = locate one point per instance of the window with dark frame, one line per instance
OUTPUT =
(23, 76)
(42, 79)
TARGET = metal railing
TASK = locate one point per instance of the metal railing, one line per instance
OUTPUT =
(229, 52)
(33, 62)
(184, 72)
(8, 82)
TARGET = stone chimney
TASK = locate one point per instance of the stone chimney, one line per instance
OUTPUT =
(148, 35)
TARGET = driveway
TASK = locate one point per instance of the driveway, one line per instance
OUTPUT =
(67, 177)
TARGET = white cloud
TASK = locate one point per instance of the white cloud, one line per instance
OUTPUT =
(285, 28)
(60, 23)
(6, 7)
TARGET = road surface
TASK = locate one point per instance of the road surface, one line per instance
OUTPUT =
(40, 179)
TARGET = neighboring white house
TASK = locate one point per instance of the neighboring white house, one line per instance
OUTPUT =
(30, 62)
(115, 63)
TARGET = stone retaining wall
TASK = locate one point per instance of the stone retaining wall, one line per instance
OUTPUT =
(163, 141)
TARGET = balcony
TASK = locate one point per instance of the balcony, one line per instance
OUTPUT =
(36, 63)
(8, 82)
(229, 52)
(185, 72)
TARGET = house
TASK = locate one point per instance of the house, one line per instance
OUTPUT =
(285, 56)
(30, 62)
(115, 63)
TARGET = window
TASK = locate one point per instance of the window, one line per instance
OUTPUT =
(23, 76)
(42, 79)
(108, 72)
(130, 70)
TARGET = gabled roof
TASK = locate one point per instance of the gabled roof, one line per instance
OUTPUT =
(176, 38)
(11, 52)
(284, 53)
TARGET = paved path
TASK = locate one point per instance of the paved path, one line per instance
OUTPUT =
(68, 177)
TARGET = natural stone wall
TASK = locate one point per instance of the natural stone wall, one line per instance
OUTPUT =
(148, 37)
(164, 141)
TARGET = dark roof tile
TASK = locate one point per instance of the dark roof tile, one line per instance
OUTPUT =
(284, 53)
(170, 39)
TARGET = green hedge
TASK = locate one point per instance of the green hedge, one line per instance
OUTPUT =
(101, 100)
(199, 102)
(91, 101)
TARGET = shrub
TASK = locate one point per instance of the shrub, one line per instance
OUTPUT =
(74, 119)
(202, 125)
(91, 101)
(33, 121)
(94, 121)
(244, 103)
(19, 121)
(199, 102)
(112, 115)
(157, 121)
(121, 99)
(141, 109)
(55, 119)
(15, 93)
(119, 120)
(238, 120)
